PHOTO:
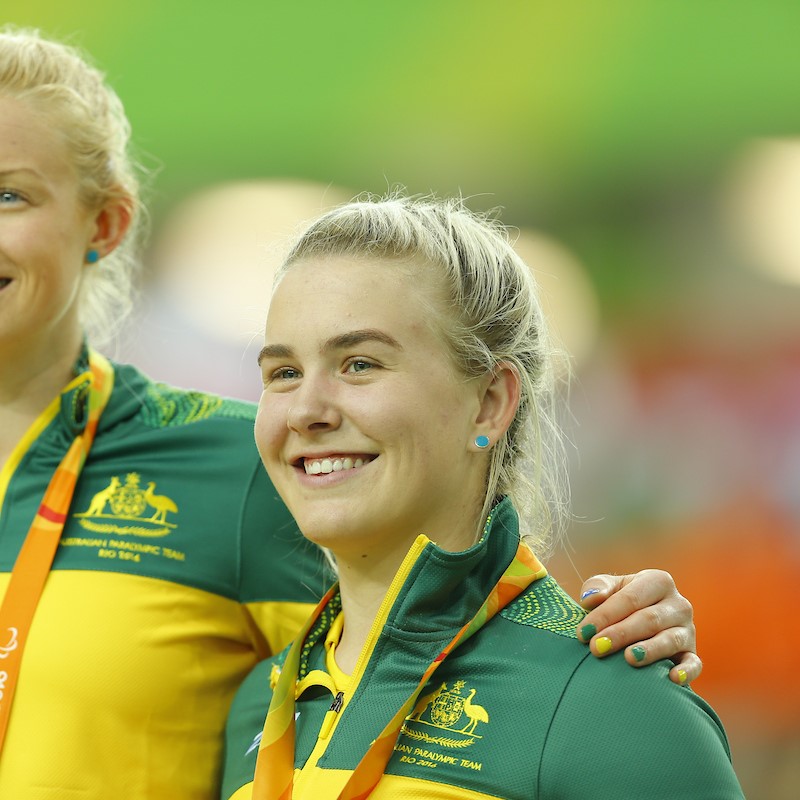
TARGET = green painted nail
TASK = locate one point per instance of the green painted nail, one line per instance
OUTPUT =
(638, 652)
(587, 631)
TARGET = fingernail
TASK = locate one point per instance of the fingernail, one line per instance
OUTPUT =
(603, 645)
(587, 631)
(638, 652)
(682, 676)
(589, 593)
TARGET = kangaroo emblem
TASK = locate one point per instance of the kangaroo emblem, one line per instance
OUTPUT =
(102, 497)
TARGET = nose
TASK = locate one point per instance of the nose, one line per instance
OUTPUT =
(314, 408)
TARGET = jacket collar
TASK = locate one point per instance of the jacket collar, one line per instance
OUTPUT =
(443, 589)
(130, 388)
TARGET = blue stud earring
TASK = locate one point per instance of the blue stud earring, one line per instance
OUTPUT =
(92, 257)
(482, 442)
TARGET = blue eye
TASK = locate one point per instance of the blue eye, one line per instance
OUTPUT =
(7, 196)
(285, 374)
(359, 365)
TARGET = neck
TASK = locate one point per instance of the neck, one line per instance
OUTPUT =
(364, 582)
(29, 380)
(362, 588)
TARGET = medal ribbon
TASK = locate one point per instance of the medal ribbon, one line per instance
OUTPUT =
(274, 773)
(39, 548)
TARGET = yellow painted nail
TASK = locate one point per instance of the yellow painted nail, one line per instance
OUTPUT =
(603, 645)
(682, 675)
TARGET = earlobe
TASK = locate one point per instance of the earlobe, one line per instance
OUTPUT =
(499, 404)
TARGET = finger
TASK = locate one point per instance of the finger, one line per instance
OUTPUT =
(597, 588)
(673, 643)
(663, 630)
(641, 588)
(619, 607)
(687, 669)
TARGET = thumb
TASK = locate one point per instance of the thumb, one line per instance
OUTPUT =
(598, 588)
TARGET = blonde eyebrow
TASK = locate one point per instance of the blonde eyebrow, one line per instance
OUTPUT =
(343, 340)
(274, 351)
(10, 173)
(352, 338)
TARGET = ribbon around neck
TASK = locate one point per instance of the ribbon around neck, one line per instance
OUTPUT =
(39, 548)
(274, 774)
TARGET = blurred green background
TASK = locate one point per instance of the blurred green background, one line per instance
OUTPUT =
(652, 146)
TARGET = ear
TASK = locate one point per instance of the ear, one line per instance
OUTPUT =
(111, 224)
(499, 403)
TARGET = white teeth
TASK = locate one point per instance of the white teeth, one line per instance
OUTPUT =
(325, 466)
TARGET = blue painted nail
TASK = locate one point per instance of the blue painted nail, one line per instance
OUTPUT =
(589, 593)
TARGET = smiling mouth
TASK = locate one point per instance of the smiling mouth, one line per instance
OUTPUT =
(324, 466)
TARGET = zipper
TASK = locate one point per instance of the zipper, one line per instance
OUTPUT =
(420, 543)
(331, 716)
(341, 699)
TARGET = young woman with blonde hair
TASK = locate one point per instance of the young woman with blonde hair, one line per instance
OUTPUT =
(406, 422)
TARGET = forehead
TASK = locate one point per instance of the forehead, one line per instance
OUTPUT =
(29, 139)
(333, 293)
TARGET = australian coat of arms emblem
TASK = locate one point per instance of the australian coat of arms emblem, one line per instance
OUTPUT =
(455, 715)
(126, 508)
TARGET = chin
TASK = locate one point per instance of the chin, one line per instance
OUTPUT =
(331, 531)
(319, 528)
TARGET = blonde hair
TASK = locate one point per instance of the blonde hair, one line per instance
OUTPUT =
(491, 314)
(58, 82)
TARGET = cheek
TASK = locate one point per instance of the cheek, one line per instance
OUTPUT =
(28, 245)
(268, 427)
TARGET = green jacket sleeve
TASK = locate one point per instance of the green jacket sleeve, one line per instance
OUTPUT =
(627, 733)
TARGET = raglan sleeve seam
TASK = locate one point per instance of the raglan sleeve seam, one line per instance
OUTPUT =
(552, 721)
(240, 529)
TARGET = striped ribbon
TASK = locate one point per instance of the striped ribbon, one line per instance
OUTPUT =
(39, 548)
(274, 773)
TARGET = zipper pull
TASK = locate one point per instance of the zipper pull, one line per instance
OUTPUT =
(330, 717)
(338, 702)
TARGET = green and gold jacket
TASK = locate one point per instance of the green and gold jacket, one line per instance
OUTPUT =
(521, 710)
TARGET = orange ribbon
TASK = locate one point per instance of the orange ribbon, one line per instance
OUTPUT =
(39, 548)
